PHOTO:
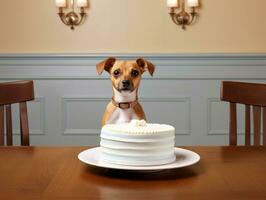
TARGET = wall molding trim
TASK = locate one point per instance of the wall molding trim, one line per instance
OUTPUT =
(210, 130)
(64, 115)
(169, 66)
(93, 131)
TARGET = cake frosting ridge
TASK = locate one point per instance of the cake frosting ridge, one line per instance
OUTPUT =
(139, 127)
(137, 143)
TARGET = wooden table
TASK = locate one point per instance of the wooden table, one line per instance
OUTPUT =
(56, 173)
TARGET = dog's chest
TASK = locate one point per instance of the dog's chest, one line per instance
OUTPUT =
(122, 116)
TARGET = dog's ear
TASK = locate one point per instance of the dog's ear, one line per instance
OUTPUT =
(145, 65)
(106, 65)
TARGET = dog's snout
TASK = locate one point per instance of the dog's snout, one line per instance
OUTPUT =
(126, 83)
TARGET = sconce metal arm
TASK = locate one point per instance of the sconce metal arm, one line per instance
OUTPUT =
(72, 19)
(183, 18)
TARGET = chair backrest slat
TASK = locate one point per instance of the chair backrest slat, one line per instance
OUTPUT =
(24, 127)
(264, 126)
(250, 94)
(2, 136)
(247, 126)
(9, 132)
(15, 92)
(256, 124)
(233, 122)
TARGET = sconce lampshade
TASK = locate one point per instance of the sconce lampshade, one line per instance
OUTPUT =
(82, 3)
(60, 3)
(193, 3)
(172, 3)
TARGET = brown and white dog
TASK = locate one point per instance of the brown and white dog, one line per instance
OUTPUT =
(125, 77)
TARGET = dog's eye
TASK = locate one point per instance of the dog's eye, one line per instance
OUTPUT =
(134, 73)
(116, 73)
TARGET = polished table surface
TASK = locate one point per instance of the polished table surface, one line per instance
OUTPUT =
(56, 173)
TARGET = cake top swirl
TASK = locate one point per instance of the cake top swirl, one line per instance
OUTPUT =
(136, 122)
(139, 127)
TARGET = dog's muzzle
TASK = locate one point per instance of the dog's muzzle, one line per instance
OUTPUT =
(125, 85)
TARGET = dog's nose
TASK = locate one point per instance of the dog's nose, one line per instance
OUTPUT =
(126, 83)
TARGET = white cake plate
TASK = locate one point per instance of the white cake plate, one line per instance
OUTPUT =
(184, 158)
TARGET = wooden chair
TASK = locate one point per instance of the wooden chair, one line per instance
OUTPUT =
(15, 92)
(250, 94)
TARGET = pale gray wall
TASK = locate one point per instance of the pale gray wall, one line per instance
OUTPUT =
(184, 92)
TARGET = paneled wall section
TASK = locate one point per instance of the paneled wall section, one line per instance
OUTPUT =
(184, 92)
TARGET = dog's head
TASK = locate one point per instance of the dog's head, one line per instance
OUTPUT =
(125, 75)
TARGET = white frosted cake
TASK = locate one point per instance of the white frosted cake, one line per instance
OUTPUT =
(138, 143)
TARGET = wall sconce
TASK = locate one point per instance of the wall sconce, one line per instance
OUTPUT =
(71, 19)
(183, 18)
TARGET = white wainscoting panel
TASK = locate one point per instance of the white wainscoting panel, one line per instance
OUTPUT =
(184, 92)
